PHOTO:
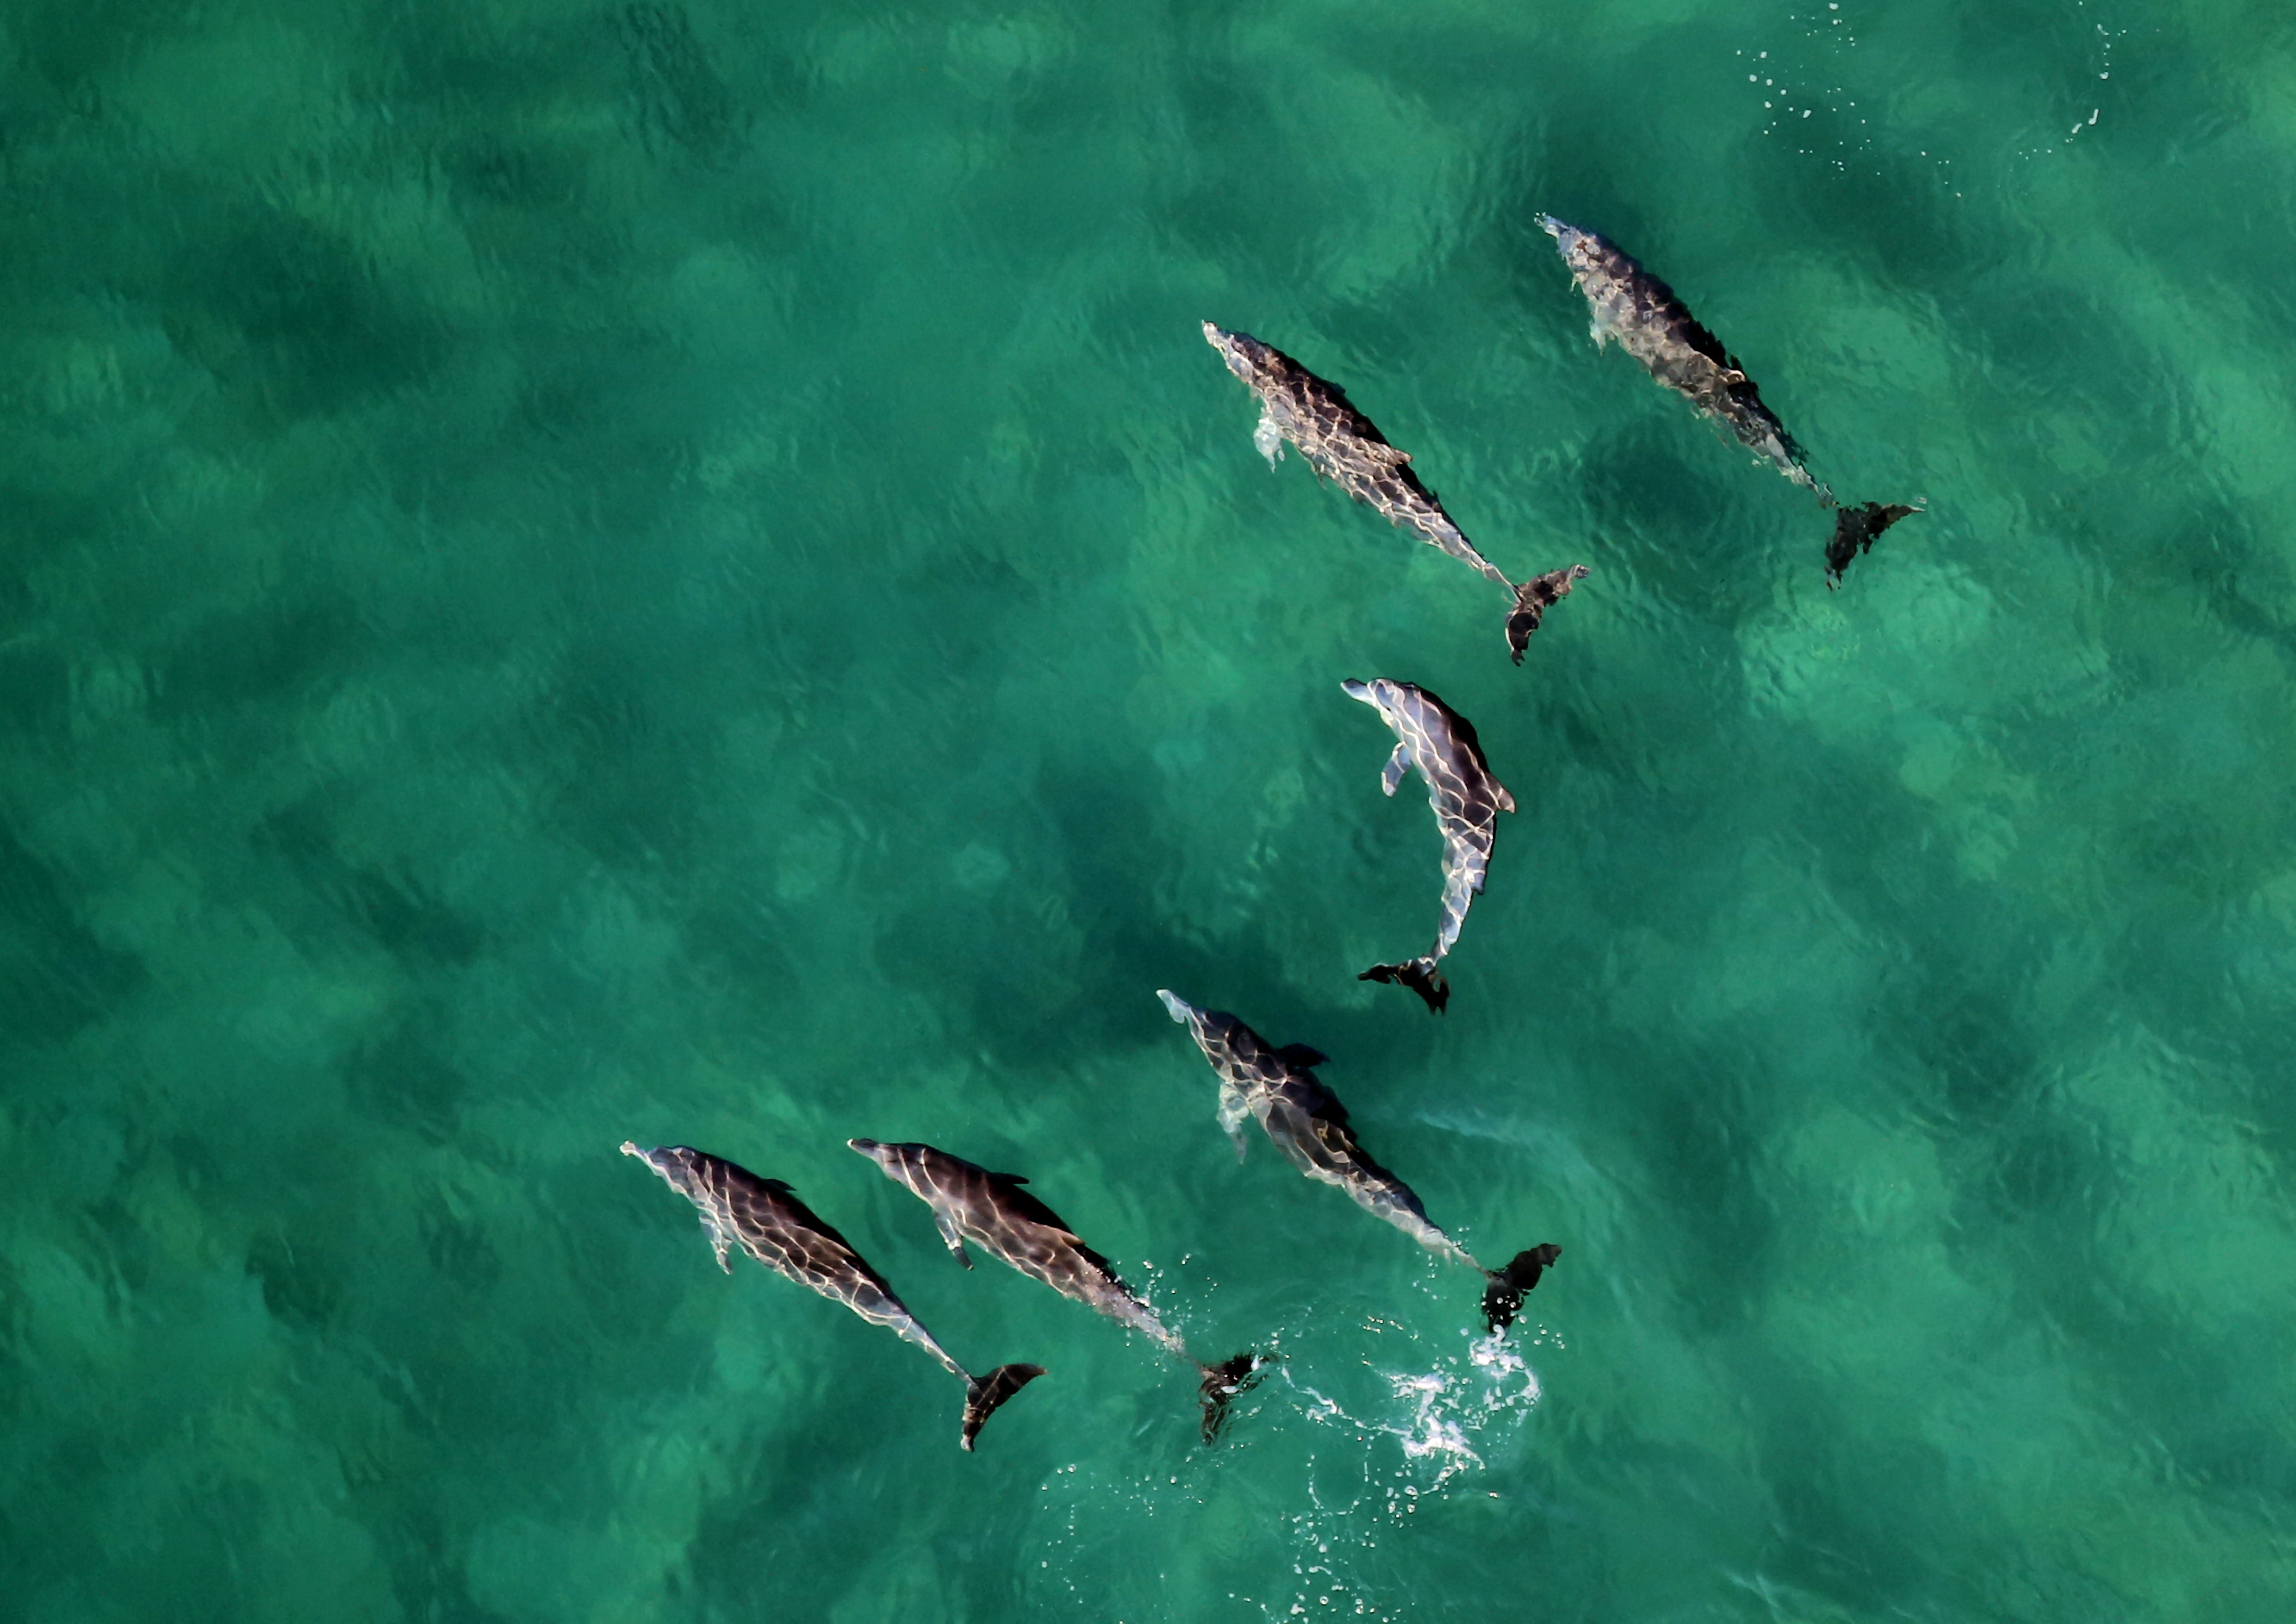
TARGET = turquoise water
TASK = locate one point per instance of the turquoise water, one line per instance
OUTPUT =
(575, 574)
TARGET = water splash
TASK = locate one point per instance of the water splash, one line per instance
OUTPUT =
(1442, 1409)
(1389, 1432)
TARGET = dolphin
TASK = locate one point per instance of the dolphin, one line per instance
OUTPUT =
(766, 1221)
(972, 1203)
(1441, 744)
(1653, 325)
(1308, 1123)
(1854, 529)
(1342, 446)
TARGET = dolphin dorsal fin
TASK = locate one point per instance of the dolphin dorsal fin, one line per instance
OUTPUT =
(1301, 1054)
(1006, 1178)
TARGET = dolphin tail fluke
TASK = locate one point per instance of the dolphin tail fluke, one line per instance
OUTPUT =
(1855, 530)
(1504, 1294)
(1531, 601)
(1419, 974)
(983, 1394)
(1221, 1384)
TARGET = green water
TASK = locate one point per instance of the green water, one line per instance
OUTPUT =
(583, 573)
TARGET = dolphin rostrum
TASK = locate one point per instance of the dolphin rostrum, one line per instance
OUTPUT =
(1653, 325)
(1308, 1123)
(1441, 744)
(1854, 529)
(970, 1203)
(1342, 446)
(766, 1221)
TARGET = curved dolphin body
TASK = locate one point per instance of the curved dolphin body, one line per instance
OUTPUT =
(766, 1219)
(1340, 444)
(1307, 1122)
(970, 1203)
(1441, 744)
(1653, 325)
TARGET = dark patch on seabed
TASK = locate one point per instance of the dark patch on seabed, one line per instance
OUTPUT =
(56, 976)
(683, 102)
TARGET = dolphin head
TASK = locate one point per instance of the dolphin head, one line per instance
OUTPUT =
(1567, 239)
(1245, 356)
(1582, 250)
(674, 1163)
(898, 1162)
(1182, 1010)
(1379, 693)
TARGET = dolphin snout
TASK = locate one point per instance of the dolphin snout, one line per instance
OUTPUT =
(1179, 1007)
(868, 1147)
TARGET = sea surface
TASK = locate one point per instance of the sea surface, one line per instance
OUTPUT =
(575, 573)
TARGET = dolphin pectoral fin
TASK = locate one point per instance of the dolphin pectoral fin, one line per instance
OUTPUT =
(1232, 1114)
(952, 1237)
(1503, 1296)
(1398, 762)
(721, 1242)
(983, 1394)
(1302, 1054)
(1267, 439)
